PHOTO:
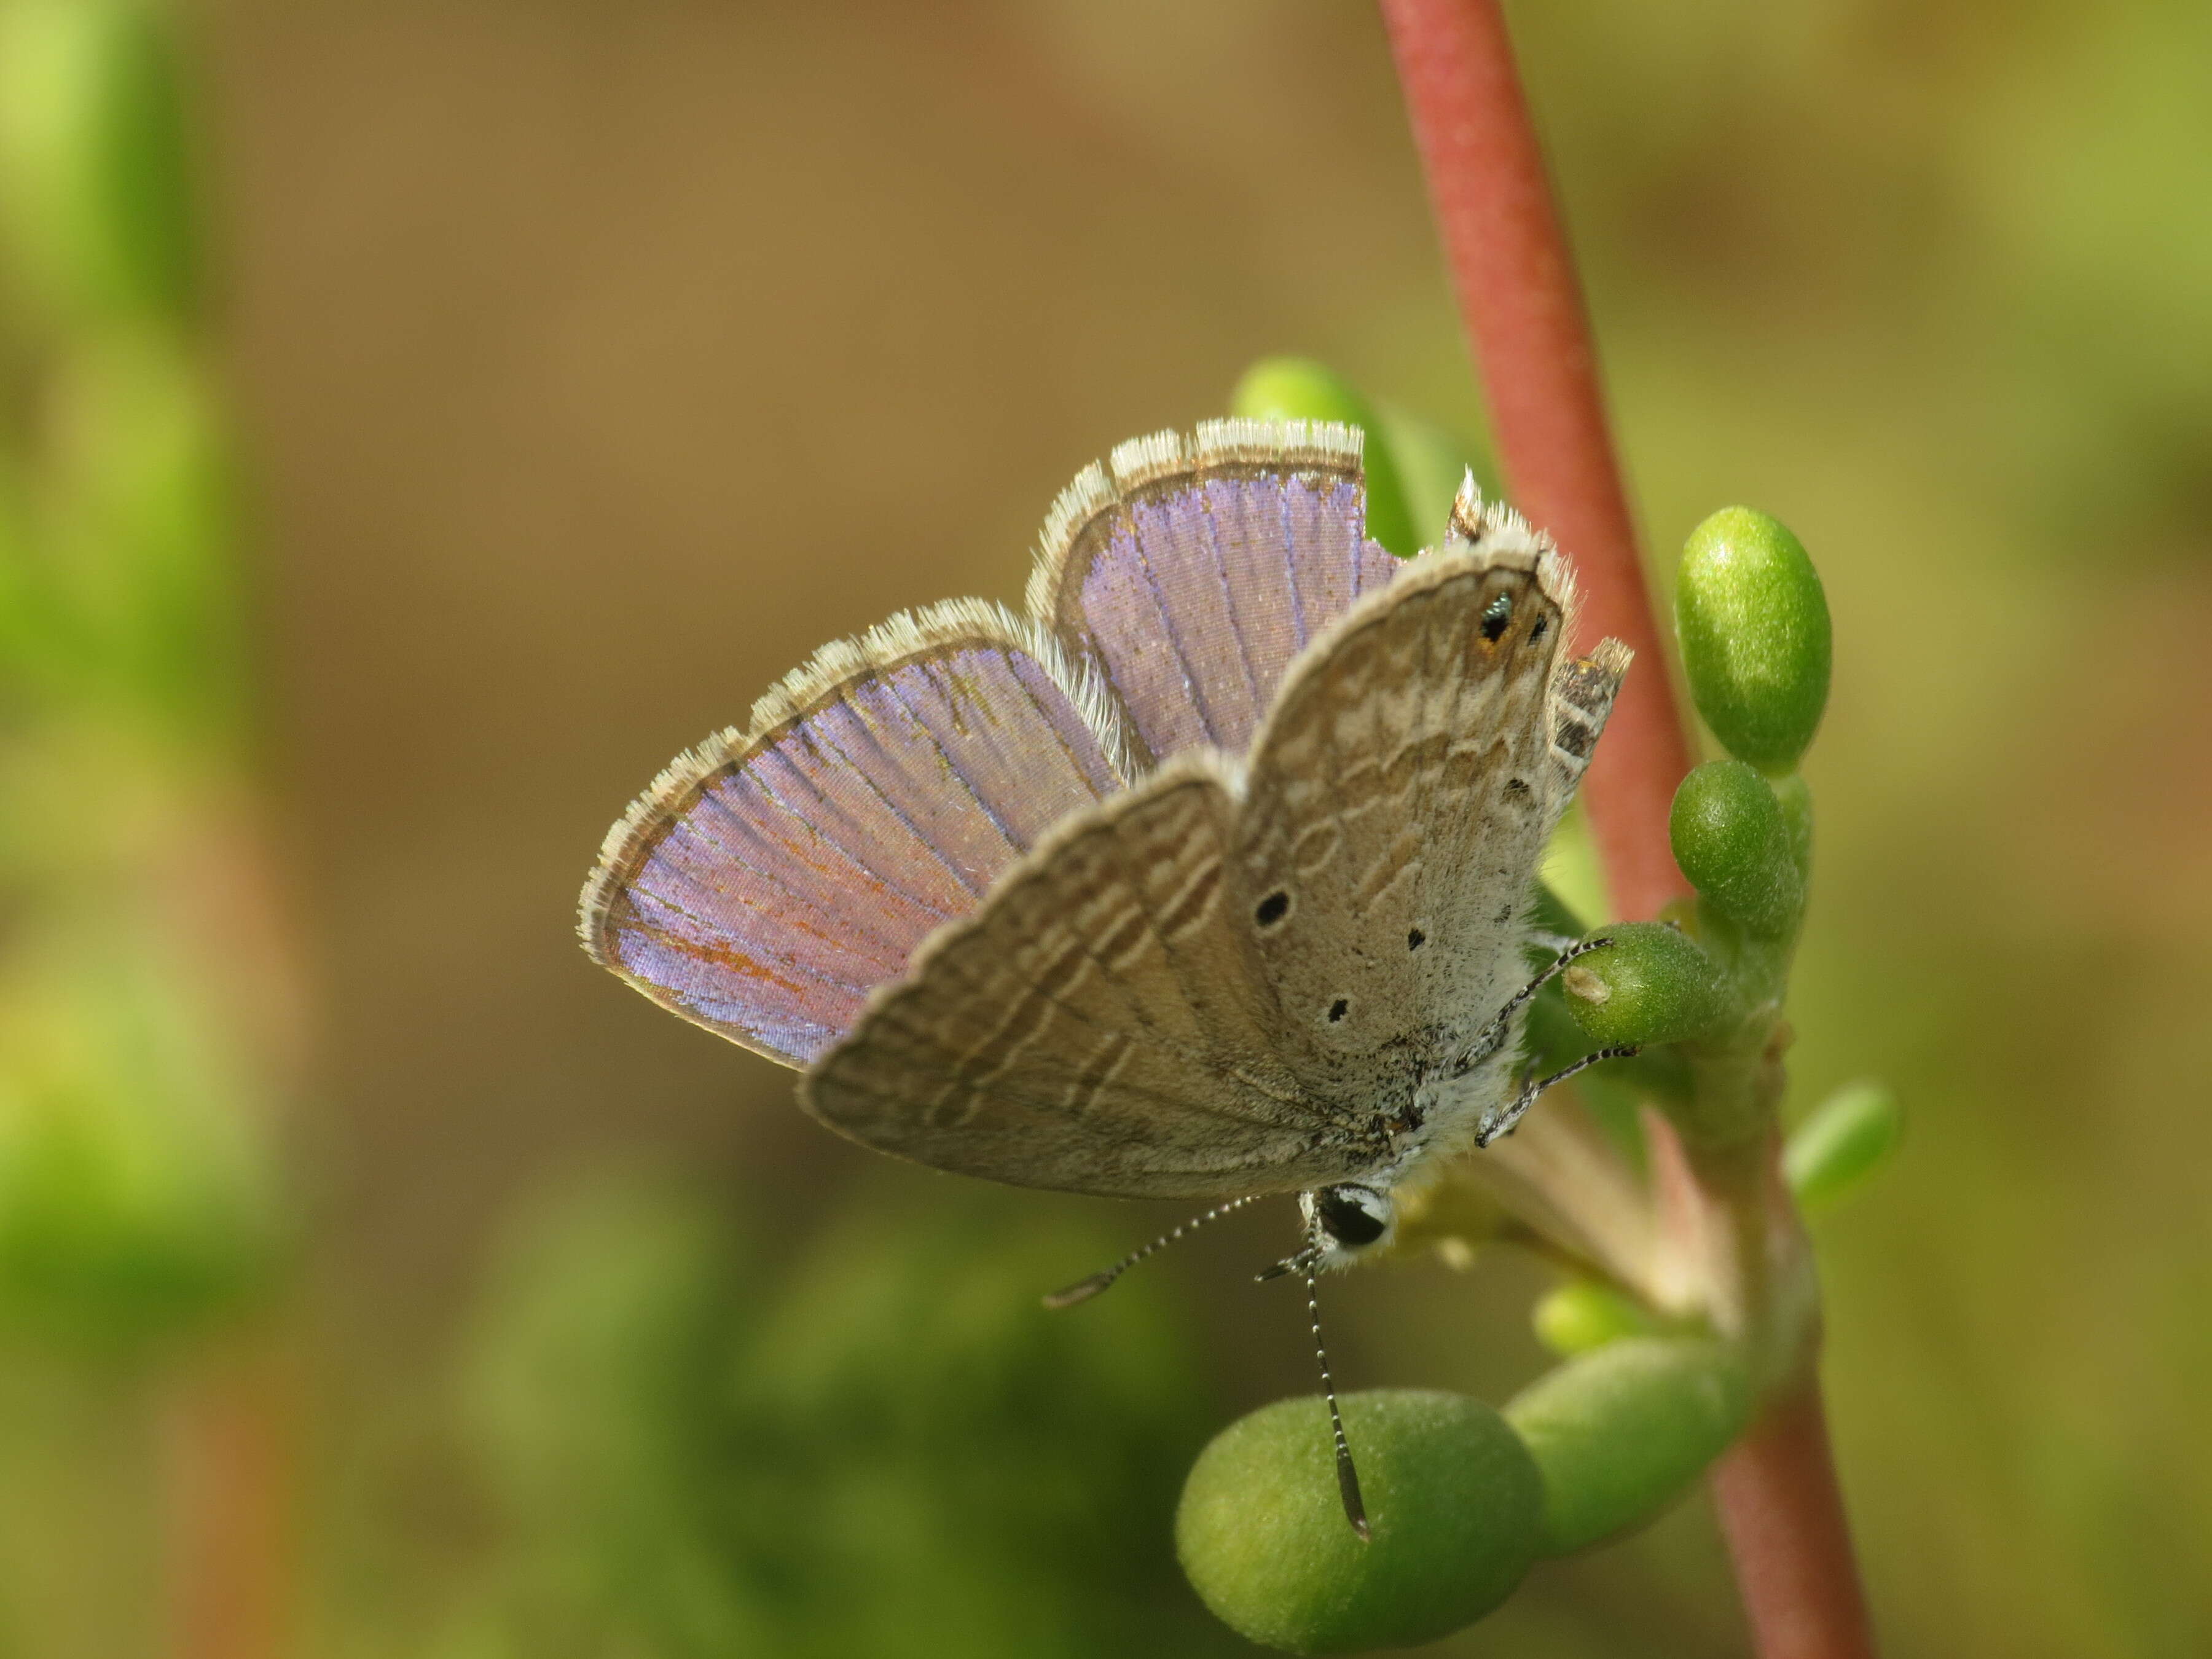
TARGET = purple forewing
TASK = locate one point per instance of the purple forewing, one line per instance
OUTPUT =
(790, 884)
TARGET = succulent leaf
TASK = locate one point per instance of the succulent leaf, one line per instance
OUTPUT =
(1453, 1501)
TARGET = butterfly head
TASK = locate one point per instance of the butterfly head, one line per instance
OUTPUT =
(1347, 1220)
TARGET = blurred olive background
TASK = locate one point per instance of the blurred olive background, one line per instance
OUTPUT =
(508, 394)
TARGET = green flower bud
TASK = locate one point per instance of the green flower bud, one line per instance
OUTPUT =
(1620, 1433)
(1651, 983)
(1732, 841)
(1753, 625)
(1583, 1314)
(94, 196)
(1454, 1503)
(1299, 389)
(1846, 1138)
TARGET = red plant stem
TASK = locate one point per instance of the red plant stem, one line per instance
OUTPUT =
(1782, 1513)
(231, 1520)
(1523, 313)
(1780, 1508)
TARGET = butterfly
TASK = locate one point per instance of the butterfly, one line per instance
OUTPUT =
(1209, 877)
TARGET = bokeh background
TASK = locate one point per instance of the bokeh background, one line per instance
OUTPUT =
(417, 421)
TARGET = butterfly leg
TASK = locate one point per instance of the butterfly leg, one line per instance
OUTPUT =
(1491, 1037)
(1552, 971)
(1505, 1120)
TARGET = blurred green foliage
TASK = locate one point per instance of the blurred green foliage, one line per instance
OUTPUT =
(137, 1198)
(702, 1446)
(142, 1212)
(96, 204)
(119, 589)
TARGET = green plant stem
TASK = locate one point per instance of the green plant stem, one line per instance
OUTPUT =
(1523, 313)
(1780, 1508)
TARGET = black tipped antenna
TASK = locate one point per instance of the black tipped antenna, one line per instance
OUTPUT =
(1347, 1478)
(1083, 1290)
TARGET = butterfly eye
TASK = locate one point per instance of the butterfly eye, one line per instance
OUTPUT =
(1353, 1215)
(1271, 909)
(1494, 619)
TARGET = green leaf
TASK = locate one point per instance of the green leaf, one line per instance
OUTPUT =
(1453, 1498)
(1753, 625)
(1733, 842)
(1621, 1431)
(1845, 1139)
(1299, 389)
(1651, 983)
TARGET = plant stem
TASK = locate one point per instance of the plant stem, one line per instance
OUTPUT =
(1523, 314)
(1780, 1508)
(231, 1522)
(1782, 1513)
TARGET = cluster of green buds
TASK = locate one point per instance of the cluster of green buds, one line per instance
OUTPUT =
(1673, 1328)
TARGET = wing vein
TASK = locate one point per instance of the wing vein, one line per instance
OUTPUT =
(1232, 609)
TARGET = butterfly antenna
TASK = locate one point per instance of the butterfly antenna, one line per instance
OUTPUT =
(1347, 1478)
(1085, 1289)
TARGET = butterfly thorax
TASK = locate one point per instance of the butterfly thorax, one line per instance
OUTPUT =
(1447, 1112)
(1455, 1081)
